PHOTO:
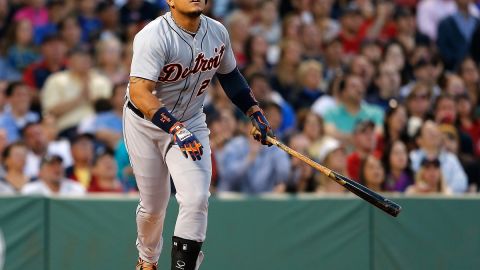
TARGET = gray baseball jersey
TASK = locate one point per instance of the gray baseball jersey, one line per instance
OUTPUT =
(182, 65)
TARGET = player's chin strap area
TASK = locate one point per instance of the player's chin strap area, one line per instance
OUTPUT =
(186, 254)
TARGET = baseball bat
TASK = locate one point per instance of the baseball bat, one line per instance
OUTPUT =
(361, 191)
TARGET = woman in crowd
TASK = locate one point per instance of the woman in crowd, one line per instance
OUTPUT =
(372, 174)
(394, 125)
(397, 168)
(109, 57)
(20, 50)
(429, 179)
(14, 159)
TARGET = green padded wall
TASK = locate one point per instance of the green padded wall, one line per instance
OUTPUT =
(23, 221)
(249, 234)
(430, 233)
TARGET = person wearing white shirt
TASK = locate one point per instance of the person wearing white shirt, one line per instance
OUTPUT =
(431, 12)
(52, 180)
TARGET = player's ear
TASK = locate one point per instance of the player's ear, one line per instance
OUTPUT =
(170, 3)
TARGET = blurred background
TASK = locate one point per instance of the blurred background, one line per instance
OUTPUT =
(386, 92)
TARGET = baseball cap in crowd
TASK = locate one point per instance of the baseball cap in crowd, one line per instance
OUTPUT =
(362, 125)
(51, 158)
(328, 146)
(427, 162)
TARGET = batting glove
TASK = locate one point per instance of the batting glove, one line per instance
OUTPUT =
(188, 143)
(261, 124)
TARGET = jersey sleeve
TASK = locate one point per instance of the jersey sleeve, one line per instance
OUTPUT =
(148, 54)
(228, 62)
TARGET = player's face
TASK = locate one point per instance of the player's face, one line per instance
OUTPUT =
(190, 8)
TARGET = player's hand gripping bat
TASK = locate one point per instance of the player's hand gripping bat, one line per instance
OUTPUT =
(361, 191)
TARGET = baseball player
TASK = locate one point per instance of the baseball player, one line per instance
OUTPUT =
(174, 59)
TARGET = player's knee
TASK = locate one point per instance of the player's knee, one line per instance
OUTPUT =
(197, 201)
(150, 217)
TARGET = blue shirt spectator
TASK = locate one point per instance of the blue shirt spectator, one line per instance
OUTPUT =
(246, 166)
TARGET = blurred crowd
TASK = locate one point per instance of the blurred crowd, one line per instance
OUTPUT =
(386, 92)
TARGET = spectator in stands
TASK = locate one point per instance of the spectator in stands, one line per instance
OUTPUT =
(470, 73)
(69, 95)
(364, 142)
(104, 174)
(363, 68)
(88, 19)
(109, 16)
(58, 145)
(431, 12)
(394, 126)
(387, 82)
(467, 122)
(418, 103)
(310, 83)
(350, 35)
(381, 26)
(333, 65)
(453, 85)
(237, 23)
(268, 25)
(429, 179)
(14, 158)
(372, 50)
(395, 54)
(256, 50)
(291, 24)
(302, 175)
(83, 154)
(311, 127)
(284, 73)
(17, 110)
(455, 34)
(52, 180)
(245, 166)
(397, 167)
(430, 145)
(407, 33)
(333, 155)
(424, 72)
(340, 121)
(372, 173)
(107, 126)
(36, 140)
(53, 51)
(264, 93)
(311, 42)
(71, 33)
(328, 27)
(34, 11)
(109, 57)
(20, 50)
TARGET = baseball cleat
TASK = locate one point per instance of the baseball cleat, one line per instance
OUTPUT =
(144, 265)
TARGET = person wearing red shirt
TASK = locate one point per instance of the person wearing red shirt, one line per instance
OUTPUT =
(104, 174)
(365, 141)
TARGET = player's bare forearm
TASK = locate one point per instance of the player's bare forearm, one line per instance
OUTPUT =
(141, 96)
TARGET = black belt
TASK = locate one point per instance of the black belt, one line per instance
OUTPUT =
(135, 110)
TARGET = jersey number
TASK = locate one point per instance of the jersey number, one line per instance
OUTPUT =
(203, 87)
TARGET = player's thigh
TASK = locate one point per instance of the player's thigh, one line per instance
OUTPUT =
(191, 178)
(146, 149)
